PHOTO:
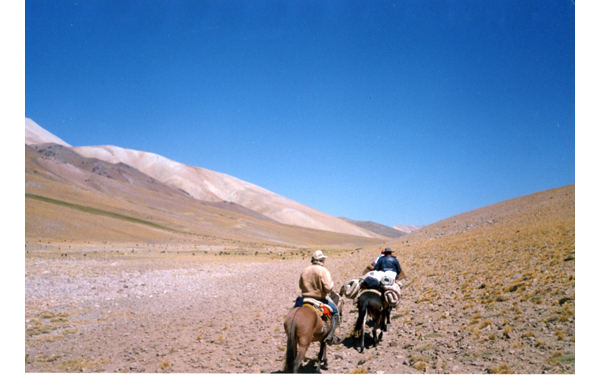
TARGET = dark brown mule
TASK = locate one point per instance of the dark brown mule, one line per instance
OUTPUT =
(302, 326)
(371, 303)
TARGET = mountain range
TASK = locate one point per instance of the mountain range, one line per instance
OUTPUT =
(114, 179)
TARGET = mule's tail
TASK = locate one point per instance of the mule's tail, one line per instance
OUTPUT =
(363, 305)
(290, 353)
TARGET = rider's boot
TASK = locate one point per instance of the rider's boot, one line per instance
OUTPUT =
(331, 338)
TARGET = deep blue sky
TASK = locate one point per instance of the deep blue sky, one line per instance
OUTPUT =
(403, 112)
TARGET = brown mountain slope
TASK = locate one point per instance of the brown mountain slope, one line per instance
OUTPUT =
(407, 228)
(70, 197)
(376, 228)
(488, 290)
(206, 185)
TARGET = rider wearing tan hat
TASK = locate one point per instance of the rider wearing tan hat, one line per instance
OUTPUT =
(315, 282)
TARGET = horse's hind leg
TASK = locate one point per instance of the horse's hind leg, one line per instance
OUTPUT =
(322, 357)
(375, 334)
(362, 334)
(388, 312)
(300, 354)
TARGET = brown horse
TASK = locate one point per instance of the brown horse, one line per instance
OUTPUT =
(302, 326)
(371, 303)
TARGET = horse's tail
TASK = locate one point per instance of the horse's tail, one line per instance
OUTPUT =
(290, 353)
(363, 305)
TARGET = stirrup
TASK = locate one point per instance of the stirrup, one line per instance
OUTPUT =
(331, 337)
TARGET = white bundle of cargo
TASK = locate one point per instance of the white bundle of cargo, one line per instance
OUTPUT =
(386, 280)
(351, 288)
(392, 294)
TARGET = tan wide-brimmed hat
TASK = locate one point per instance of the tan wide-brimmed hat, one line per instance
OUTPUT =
(318, 255)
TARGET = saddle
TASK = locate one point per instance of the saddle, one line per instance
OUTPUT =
(391, 295)
(322, 309)
(376, 291)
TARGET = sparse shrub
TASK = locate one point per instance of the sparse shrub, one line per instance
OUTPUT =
(81, 365)
(46, 315)
(560, 334)
(421, 366)
(359, 371)
(45, 358)
(164, 365)
(502, 369)
(553, 359)
(475, 332)
(566, 314)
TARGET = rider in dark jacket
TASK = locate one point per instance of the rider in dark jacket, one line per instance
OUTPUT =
(388, 262)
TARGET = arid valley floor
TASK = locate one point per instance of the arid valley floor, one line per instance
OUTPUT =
(491, 290)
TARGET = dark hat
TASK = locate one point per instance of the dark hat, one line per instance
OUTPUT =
(387, 250)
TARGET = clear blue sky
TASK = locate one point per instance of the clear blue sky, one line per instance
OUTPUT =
(404, 112)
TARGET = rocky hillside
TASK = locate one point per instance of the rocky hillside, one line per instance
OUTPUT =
(205, 185)
(72, 198)
(490, 290)
(381, 229)
(407, 228)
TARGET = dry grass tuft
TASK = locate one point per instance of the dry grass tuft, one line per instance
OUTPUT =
(421, 366)
(502, 369)
(82, 365)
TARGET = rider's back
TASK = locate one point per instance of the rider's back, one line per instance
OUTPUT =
(315, 282)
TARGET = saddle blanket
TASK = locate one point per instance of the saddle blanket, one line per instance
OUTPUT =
(320, 307)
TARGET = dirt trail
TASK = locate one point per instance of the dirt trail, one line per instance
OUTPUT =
(136, 315)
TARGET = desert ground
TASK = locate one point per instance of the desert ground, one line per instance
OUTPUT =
(475, 300)
(488, 291)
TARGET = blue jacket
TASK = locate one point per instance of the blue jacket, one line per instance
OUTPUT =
(388, 263)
